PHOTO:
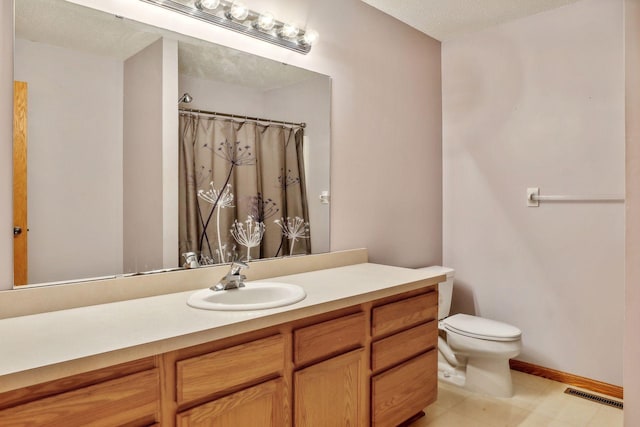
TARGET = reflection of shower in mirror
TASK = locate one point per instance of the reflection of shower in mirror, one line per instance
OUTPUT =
(186, 98)
(110, 164)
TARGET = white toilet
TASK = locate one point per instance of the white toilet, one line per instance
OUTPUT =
(476, 352)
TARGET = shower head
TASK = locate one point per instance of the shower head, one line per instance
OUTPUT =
(186, 98)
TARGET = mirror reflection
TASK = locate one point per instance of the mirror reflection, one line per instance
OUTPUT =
(144, 145)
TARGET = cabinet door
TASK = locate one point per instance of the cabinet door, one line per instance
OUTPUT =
(261, 405)
(331, 393)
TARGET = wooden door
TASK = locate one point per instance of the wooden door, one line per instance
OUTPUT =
(331, 393)
(261, 405)
(20, 261)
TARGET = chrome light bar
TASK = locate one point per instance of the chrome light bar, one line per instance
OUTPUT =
(280, 33)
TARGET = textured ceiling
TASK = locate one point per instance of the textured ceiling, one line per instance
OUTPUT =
(68, 25)
(447, 19)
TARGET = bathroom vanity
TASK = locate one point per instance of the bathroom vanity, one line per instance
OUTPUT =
(359, 350)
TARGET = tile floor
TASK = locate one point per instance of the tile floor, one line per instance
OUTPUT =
(538, 402)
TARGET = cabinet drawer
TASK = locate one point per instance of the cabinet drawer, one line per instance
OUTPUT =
(214, 372)
(328, 338)
(259, 405)
(133, 399)
(403, 314)
(403, 345)
(405, 390)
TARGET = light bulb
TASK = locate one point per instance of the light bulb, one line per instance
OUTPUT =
(289, 31)
(207, 4)
(239, 11)
(266, 21)
(309, 37)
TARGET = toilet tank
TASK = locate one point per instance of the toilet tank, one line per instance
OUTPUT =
(445, 289)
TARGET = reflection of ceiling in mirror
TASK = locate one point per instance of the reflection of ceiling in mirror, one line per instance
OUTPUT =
(214, 62)
(65, 24)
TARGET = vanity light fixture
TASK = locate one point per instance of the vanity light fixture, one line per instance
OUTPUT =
(288, 31)
(237, 11)
(309, 37)
(235, 16)
(207, 4)
(265, 21)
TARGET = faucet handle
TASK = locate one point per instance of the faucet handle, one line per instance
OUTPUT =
(233, 279)
(240, 263)
(237, 266)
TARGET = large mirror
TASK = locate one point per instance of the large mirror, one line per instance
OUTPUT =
(143, 145)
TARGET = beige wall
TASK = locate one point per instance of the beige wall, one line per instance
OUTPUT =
(632, 321)
(170, 256)
(75, 161)
(223, 97)
(6, 144)
(539, 102)
(143, 154)
(386, 118)
(284, 102)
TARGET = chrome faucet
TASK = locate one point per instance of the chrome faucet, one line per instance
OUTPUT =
(190, 260)
(233, 279)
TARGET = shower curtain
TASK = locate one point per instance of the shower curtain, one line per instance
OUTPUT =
(242, 191)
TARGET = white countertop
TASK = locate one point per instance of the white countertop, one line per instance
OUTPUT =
(142, 327)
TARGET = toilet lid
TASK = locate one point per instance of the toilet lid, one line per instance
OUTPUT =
(478, 327)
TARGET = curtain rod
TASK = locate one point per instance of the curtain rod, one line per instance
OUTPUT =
(235, 116)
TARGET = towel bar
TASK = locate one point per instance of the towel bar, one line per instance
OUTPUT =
(534, 198)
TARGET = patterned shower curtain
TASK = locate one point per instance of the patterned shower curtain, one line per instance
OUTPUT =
(242, 190)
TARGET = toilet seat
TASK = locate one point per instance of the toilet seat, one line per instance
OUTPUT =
(481, 328)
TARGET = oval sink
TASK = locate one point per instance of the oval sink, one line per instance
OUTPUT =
(254, 296)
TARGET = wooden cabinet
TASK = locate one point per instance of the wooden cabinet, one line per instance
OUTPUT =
(331, 393)
(233, 385)
(328, 338)
(260, 405)
(217, 371)
(132, 400)
(399, 315)
(374, 363)
(404, 391)
(404, 358)
(402, 346)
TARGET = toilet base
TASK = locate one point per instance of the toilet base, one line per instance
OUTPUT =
(484, 375)
(451, 375)
(489, 376)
